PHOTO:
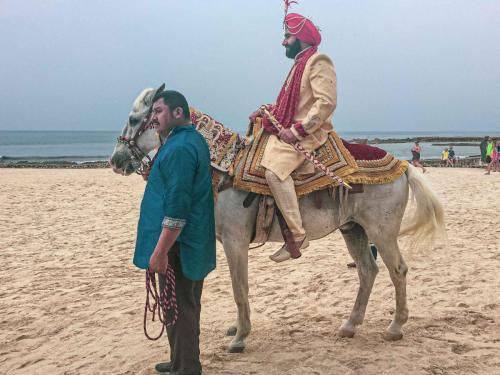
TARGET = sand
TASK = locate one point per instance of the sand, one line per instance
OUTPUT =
(72, 302)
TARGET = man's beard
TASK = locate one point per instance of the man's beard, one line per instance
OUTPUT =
(293, 50)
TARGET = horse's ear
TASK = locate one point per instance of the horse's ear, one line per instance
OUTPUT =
(158, 91)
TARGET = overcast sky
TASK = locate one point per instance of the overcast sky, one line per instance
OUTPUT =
(401, 65)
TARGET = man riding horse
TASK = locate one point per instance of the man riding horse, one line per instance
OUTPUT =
(304, 108)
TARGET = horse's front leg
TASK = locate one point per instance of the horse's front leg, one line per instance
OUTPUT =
(234, 229)
(237, 259)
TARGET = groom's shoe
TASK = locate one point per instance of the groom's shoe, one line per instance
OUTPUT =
(163, 367)
(284, 253)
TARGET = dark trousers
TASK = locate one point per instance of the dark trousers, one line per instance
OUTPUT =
(184, 336)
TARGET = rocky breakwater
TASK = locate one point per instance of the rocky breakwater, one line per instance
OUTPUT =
(54, 164)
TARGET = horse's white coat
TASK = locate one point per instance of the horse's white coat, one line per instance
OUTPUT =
(376, 214)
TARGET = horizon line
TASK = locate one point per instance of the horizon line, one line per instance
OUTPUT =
(493, 131)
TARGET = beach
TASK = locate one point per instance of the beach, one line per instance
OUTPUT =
(73, 303)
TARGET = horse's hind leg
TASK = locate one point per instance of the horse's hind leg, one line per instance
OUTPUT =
(389, 251)
(357, 244)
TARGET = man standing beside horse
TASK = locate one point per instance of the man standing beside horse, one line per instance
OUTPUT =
(304, 108)
(176, 229)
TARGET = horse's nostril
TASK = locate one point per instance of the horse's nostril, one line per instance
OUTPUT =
(119, 161)
(129, 169)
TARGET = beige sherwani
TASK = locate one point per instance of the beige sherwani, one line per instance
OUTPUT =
(318, 99)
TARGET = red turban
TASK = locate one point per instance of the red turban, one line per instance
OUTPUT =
(303, 29)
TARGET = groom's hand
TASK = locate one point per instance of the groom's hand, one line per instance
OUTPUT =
(287, 136)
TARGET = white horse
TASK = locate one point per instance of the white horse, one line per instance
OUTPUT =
(375, 214)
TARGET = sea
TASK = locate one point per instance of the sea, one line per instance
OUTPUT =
(88, 146)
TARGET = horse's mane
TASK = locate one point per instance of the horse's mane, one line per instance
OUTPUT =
(142, 103)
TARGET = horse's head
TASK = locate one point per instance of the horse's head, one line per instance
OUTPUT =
(138, 137)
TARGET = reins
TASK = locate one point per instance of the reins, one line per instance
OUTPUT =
(162, 302)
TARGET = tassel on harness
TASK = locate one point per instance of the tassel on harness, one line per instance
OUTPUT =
(162, 302)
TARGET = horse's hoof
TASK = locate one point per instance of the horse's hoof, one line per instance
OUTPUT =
(345, 332)
(236, 349)
(347, 329)
(231, 331)
(393, 336)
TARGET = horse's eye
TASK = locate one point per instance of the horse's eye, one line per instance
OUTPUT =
(132, 121)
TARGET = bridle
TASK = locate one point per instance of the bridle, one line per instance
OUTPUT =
(131, 143)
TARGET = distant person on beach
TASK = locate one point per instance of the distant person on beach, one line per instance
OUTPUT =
(445, 157)
(415, 151)
(483, 146)
(495, 157)
(497, 149)
(176, 230)
(451, 156)
(489, 150)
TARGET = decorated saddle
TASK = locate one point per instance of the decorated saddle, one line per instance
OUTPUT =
(240, 158)
(355, 163)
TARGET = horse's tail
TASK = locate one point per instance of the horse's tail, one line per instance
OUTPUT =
(427, 223)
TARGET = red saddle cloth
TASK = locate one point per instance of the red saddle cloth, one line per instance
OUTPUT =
(364, 152)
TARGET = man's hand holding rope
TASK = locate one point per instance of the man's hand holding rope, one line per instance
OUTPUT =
(159, 259)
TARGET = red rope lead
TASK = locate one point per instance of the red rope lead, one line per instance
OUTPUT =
(162, 303)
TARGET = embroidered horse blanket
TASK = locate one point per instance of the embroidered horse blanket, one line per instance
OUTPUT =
(240, 158)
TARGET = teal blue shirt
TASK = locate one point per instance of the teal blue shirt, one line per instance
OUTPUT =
(179, 195)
